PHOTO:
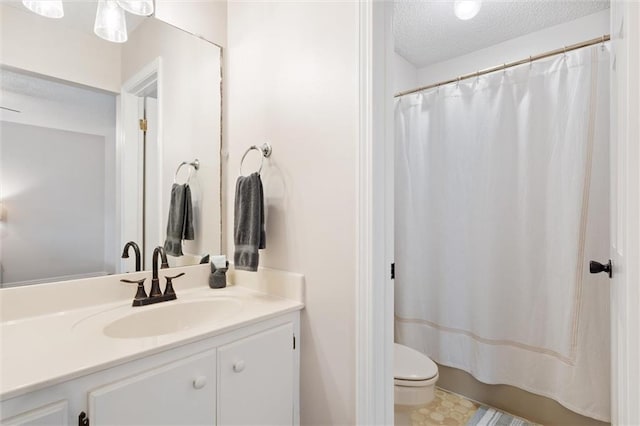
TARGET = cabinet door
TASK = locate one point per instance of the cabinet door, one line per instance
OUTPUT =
(49, 415)
(256, 379)
(179, 393)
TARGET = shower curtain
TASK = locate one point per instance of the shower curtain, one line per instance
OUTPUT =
(501, 200)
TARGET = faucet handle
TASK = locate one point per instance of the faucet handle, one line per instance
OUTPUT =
(140, 294)
(168, 290)
(175, 276)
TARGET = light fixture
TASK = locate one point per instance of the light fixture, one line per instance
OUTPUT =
(466, 9)
(46, 8)
(110, 22)
(137, 7)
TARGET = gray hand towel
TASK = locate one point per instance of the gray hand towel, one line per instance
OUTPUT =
(187, 232)
(249, 235)
(180, 222)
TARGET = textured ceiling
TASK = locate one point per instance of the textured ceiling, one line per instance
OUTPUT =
(427, 31)
(43, 88)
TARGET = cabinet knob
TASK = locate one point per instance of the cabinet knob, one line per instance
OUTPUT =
(199, 382)
(238, 366)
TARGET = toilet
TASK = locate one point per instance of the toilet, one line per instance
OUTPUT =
(415, 377)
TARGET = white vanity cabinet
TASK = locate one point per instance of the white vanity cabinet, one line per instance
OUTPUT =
(51, 414)
(256, 379)
(249, 375)
(180, 393)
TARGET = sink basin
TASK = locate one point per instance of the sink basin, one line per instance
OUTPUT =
(171, 317)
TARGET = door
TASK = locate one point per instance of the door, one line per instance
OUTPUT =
(256, 379)
(625, 213)
(179, 393)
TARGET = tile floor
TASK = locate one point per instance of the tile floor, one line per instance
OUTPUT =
(446, 409)
(450, 409)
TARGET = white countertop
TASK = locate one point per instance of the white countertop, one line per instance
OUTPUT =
(42, 350)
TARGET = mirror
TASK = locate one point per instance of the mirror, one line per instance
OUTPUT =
(91, 136)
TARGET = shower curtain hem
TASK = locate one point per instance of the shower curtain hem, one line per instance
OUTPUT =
(565, 404)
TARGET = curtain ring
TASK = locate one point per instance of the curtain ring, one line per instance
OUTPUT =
(565, 52)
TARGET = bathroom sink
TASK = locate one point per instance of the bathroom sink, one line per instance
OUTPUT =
(171, 317)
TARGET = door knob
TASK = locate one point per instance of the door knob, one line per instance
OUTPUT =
(238, 366)
(597, 267)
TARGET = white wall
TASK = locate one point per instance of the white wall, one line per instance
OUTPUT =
(405, 74)
(551, 38)
(55, 49)
(206, 19)
(83, 113)
(54, 202)
(190, 108)
(292, 80)
(44, 46)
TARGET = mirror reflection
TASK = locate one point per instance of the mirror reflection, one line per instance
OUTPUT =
(102, 143)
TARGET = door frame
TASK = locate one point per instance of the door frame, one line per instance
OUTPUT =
(374, 288)
(625, 212)
(374, 291)
(147, 76)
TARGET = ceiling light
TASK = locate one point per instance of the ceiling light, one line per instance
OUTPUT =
(137, 7)
(110, 22)
(466, 9)
(47, 8)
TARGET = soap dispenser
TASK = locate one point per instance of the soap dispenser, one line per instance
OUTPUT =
(219, 267)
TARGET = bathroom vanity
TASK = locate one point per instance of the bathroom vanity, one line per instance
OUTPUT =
(228, 356)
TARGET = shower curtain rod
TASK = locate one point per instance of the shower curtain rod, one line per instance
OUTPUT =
(530, 59)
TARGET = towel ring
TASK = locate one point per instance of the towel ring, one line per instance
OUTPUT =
(265, 149)
(195, 164)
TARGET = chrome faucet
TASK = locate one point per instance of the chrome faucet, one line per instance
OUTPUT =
(155, 296)
(136, 249)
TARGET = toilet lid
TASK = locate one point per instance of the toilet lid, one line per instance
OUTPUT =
(409, 364)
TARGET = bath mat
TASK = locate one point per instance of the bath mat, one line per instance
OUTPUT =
(486, 416)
